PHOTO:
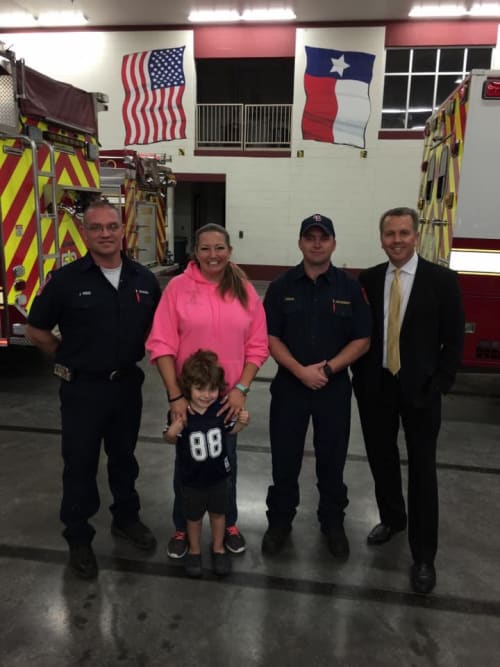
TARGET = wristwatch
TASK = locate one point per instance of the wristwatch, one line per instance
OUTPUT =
(327, 370)
(244, 390)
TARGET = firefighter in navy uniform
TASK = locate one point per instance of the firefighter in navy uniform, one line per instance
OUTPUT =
(318, 324)
(103, 305)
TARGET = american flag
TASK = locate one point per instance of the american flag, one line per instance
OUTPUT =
(154, 84)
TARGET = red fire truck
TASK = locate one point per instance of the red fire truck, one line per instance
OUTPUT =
(49, 170)
(142, 186)
(459, 219)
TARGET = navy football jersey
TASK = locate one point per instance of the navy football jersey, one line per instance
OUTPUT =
(201, 448)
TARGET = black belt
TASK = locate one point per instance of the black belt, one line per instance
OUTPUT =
(116, 375)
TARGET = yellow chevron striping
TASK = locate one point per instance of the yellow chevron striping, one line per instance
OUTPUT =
(11, 189)
(28, 263)
(24, 221)
(82, 177)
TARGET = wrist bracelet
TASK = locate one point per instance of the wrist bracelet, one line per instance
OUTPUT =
(177, 398)
(244, 390)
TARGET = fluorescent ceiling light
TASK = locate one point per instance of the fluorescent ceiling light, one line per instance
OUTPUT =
(215, 16)
(268, 15)
(475, 261)
(412, 110)
(485, 9)
(435, 11)
(55, 19)
(443, 10)
(223, 15)
(17, 20)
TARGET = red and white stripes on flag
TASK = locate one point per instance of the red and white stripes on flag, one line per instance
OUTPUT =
(337, 96)
(154, 85)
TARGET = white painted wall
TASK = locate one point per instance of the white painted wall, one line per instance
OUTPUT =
(265, 198)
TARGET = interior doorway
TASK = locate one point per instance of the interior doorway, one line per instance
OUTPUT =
(199, 199)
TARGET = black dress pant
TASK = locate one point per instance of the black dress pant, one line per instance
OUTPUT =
(95, 411)
(292, 407)
(381, 414)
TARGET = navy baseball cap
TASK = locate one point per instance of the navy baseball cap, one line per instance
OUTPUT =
(320, 221)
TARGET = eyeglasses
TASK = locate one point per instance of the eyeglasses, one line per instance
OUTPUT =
(97, 227)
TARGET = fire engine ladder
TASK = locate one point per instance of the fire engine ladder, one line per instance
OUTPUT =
(52, 215)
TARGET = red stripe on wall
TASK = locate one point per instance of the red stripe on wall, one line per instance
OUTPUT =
(200, 178)
(465, 32)
(244, 42)
(401, 134)
(476, 244)
(272, 271)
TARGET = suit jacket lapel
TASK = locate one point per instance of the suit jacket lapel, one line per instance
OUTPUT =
(378, 298)
(416, 289)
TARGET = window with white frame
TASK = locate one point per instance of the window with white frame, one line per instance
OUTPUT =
(418, 80)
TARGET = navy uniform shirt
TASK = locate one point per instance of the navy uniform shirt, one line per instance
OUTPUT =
(201, 448)
(316, 319)
(102, 328)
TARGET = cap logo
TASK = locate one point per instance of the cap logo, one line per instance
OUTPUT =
(321, 221)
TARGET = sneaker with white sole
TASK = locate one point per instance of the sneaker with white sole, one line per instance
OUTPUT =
(234, 540)
(178, 545)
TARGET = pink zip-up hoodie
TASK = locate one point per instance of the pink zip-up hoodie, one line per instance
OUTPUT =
(193, 315)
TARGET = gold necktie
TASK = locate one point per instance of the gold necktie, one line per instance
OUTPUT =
(393, 325)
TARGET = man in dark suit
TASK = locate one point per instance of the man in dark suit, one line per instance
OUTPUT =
(403, 378)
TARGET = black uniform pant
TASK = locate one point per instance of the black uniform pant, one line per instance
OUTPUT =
(380, 419)
(95, 411)
(292, 407)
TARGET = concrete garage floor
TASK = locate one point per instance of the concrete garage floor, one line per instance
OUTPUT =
(300, 608)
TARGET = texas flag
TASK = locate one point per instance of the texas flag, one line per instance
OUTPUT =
(337, 102)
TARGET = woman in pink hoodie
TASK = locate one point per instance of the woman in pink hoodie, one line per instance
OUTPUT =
(212, 306)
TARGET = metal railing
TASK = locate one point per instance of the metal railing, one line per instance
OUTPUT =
(243, 127)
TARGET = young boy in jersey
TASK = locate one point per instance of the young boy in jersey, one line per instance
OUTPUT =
(202, 457)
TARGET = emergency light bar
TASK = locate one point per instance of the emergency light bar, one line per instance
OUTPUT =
(475, 261)
(491, 89)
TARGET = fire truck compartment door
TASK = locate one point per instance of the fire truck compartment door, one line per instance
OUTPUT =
(146, 232)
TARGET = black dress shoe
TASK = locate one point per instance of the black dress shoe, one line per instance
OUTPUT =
(338, 542)
(274, 539)
(82, 561)
(135, 532)
(382, 533)
(423, 577)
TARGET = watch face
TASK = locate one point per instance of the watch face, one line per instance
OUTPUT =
(328, 370)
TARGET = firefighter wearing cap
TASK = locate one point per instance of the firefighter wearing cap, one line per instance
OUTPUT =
(318, 324)
(103, 305)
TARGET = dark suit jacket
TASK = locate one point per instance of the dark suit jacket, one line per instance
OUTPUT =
(431, 339)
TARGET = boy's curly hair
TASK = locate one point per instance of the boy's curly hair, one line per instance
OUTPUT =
(202, 369)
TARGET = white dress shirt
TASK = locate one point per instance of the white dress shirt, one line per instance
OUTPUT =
(406, 279)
